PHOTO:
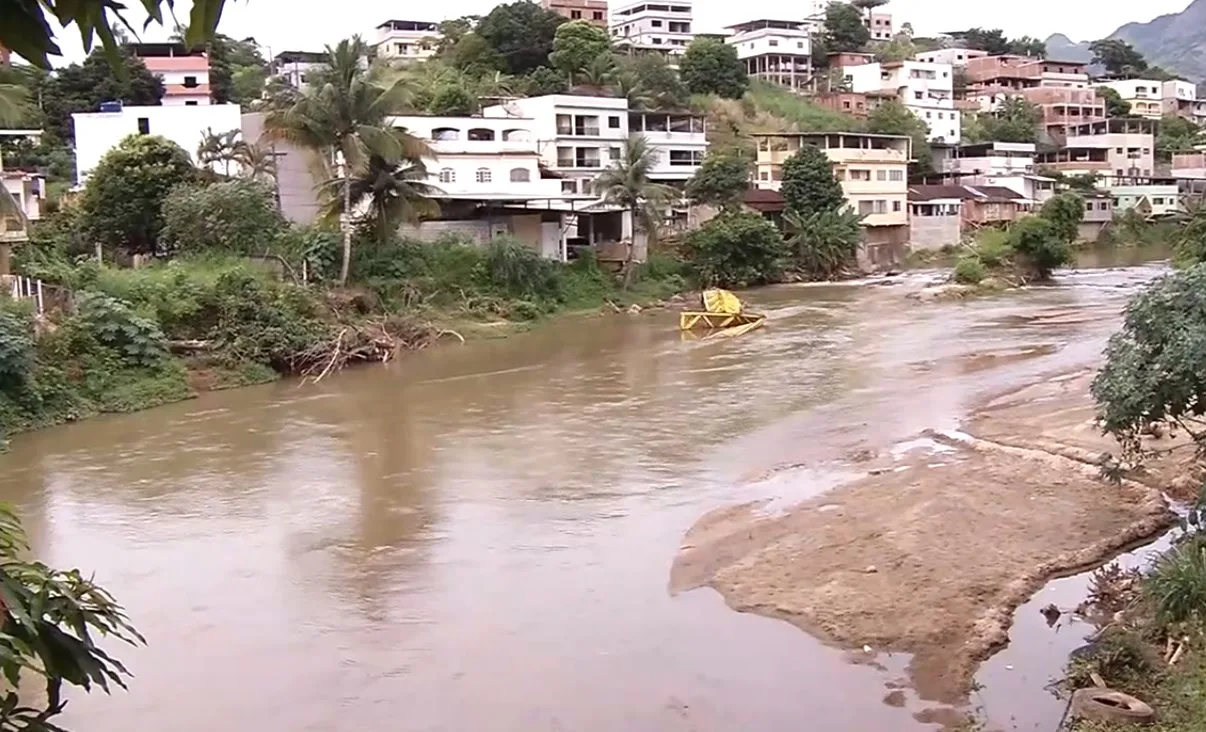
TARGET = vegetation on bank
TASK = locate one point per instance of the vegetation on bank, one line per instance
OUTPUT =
(1029, 249)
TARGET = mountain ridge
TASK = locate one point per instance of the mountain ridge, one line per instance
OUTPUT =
(1174, 41)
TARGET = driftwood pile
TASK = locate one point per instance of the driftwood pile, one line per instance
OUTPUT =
(373, 340)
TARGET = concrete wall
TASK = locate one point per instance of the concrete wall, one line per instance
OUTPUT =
(299, 200)
(934, 232)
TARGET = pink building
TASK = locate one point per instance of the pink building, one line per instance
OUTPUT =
(184, 73)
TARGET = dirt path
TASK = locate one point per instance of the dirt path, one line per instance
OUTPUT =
(932, 550)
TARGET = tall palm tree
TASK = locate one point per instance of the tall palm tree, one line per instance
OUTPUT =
(257, 162)
(627, 184)
(389, 193)
(343, 115)
(224, 148)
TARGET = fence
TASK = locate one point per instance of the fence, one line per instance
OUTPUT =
(26, 288)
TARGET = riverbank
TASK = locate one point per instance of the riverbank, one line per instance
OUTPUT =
(880, 564)
(133, 339)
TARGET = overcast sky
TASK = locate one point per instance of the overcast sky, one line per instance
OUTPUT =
(301, 25)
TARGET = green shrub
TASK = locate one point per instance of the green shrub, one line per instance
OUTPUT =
(969, 270)
(262, 321)
(16, 348)
(735, 249)
(824, 242)
(1065, 212)
(1039, 243)
(233, 217)
(992, 248)
(1177, 583)
(115, 326)
(512, 268)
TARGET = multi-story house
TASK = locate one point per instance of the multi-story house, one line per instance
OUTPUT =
(954, 56)
(294, 66)
(1014, 73)
(880, 25)
(579, 136)
(1000, 165)
(407, 39)
(184, 72)
(1116, 150)
(592, 11)
(1154, 99)
(29, 191)
(1063, 107)
(667, 27)
(96, 133)
(926, 89)
(778, 51)
(872, 170)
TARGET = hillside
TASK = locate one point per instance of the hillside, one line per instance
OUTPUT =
(1063, 48)
(1176, 41)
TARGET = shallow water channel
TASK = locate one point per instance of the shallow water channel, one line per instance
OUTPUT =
(479, 537)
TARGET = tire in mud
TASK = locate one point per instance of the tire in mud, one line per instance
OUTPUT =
(1104, 705)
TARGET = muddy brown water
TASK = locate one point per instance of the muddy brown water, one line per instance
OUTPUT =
(480, 537)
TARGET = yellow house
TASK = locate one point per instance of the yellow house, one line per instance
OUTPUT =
(872, 169)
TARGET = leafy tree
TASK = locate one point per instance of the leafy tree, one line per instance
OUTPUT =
(1040, 243)
(900, 48)
(15, 100)
(237, 71)
(648, 82)
(735, 249)
(1115, 105)
(1176, 134)
(576, 45)
(389, 193)
(893, 118)
(522, 33)
(453, 100)
(544, 80)
(1153, 368)
(627, 184)
(809, 185)
(992, 41)
(82, 87)
(824, 242)
(1028, 46)
(473, 54)
(1119, 57)
(123, 201)
(347, 121)
(722, 180)
(52, 620)
(844, 29)
(453, 30)
(711, 66)
(27, 27)
(1065, 212)
(237, 217)
(1015, 120)
(868, 5)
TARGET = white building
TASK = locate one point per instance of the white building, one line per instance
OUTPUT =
(778, 51)
(295, 66)
(926, 89)
(1002, 164)
(813, 12)
(96, 133)
(1153, 99)
(880, 25)
(663, 27)
(407, 39)
(953, 56)
(1152, 200)
(579, 136)
(482, 156)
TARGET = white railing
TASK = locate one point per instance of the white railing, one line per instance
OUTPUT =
(26, 288)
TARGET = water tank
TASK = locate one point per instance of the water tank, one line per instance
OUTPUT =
(110, 106)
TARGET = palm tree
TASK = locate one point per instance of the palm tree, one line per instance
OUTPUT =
(627, 184)
(224, 148)
(342, 116)
(14, 103)
(390, 193)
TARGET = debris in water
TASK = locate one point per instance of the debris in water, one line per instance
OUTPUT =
(866, 649)
(871, 569)
(1052, 614)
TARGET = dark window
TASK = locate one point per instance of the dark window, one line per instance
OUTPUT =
(613, 123)
(190, 82)
(191, 103)
(144, 126)
(575, 14)
(597, 15)
(656, 23)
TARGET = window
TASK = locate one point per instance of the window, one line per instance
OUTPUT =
(191, 103)
(575, 15)
(520, 175)
(481, 134)
(657, 41)
(881, 175)
(918, 95)
(685, 157)
(799, 44)
(896, 207)
(864, 175)
(447, 175)
(483, 175)
(866, 208)
(1147, 151)
(565, 124)
(565, 157)
(586, 126)
(190, 82)
(927, 115)
(846, 105)
(896, 176)
(1158, 201)
(614, 153)
(763, 175)
(569, 186)
(656, 23)
(445, 134)
(144, 126)
(597, 15)
(881, 207)
(613, 123)
(1088, 205)
(1104, 206)
(773, 42)
(1118, 150)
(517, 135)
(587, 157)
(680, 27)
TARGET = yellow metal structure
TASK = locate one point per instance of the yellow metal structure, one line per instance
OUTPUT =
(722, 311)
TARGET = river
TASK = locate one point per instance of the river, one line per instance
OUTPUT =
(480, 537)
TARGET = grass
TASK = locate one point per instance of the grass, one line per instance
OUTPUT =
(1177, 583)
